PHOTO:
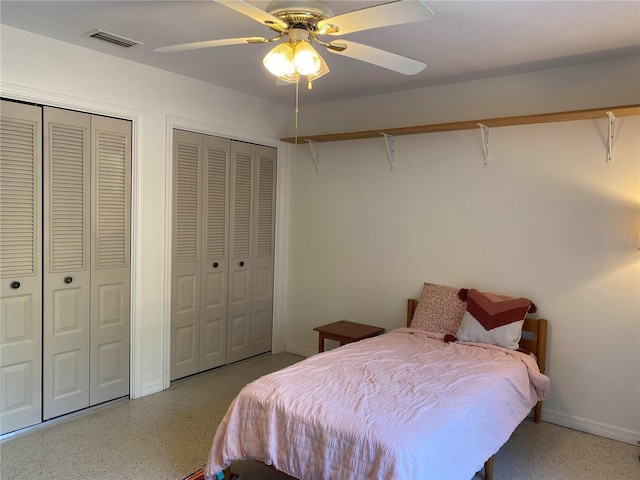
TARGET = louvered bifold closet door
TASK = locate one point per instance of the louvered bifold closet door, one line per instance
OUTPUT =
(214, 267)
(240, 262)
(20, 266)
(110, 258)
(66, 288)
(185, 281)
(263, 249)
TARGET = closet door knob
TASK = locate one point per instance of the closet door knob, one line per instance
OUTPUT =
(215, 264)
(15, 285)
(242, 264)
(68, 279)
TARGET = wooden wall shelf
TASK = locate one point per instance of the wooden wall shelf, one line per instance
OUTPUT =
(592, 113)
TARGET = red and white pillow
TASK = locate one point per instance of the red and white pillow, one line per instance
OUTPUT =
(492, 318)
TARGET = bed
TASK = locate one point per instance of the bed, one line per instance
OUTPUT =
(408, 404)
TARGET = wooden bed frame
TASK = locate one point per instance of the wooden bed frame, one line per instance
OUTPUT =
(534, 340)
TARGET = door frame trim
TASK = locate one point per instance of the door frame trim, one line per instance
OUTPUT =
(136, 116)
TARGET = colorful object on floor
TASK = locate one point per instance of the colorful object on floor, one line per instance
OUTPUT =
(199, 475)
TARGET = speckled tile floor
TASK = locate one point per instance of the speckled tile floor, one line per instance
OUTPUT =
(167, 436)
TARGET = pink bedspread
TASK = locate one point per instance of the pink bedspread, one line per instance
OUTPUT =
(404, 405)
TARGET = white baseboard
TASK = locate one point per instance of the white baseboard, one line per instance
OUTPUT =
(296, 350)
(589, 426)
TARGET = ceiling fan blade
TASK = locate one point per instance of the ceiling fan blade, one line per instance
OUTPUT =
(209, 43)
(375, 56)
(385, 15)
(254, 12)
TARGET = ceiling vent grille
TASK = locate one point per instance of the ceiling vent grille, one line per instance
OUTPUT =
(113, 38)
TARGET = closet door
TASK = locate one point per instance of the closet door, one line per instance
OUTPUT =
(110, 258)
(263, 250)
(66, 287)
(20, 266)
(185, 288)
(240, 266)
(214, 268)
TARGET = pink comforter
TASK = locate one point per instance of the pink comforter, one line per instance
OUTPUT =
(404, 405)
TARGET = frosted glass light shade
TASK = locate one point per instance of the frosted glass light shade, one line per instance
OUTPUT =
(306, 60)
(279, 61)
(322, 70)
(291, 60)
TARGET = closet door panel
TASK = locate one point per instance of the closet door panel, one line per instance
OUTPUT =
(262, 306)
(231, 289)
(110, 259)
(20, 266)
(239, 330)
(214, 268)
(213, 325)
(185, 290)
(240, 241)
(66, 286)
(184, 326)
(263, 250)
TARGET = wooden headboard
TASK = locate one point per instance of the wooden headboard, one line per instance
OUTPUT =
(535, 340)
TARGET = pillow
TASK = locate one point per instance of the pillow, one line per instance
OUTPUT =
(439, 309)
(494, 319)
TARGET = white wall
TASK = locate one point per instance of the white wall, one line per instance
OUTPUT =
(602, 84)
(548, 219)
(39, 69)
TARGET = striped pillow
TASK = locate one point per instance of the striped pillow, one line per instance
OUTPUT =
(494, 319)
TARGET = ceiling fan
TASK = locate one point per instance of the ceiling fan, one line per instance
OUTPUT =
(301, 22)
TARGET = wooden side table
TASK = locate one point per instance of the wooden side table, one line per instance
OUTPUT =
(345, 332)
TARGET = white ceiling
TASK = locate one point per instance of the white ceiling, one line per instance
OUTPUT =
(465, 40)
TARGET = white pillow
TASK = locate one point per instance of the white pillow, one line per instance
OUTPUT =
(507, 336)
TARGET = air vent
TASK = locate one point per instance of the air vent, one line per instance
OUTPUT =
(113, 38)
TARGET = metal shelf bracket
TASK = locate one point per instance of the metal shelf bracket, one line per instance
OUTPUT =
(315, 153)
(390, 142)
(612, 118)
(484, 131)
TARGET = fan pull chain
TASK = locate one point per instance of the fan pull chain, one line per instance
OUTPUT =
(296, 137)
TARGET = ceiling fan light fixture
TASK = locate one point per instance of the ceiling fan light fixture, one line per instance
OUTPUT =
(290, 77)
(279, 61)
(322, 70)
(305, 59)
(294, 59)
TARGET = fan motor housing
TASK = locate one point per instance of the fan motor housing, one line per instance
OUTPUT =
(307, 13)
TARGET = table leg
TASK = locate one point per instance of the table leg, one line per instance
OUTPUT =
(320, 342)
